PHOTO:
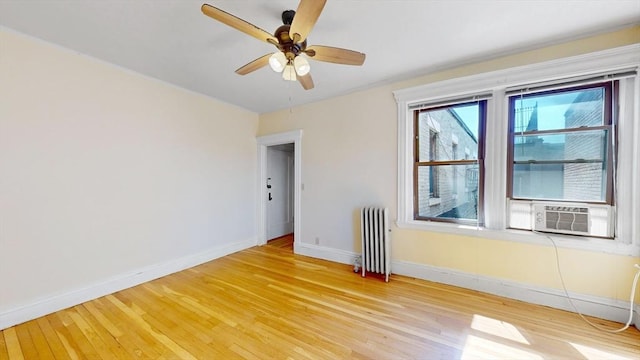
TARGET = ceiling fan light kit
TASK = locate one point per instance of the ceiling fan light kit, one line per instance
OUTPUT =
(301, 65)
(277, 61)
(289, 73)
(291, 41)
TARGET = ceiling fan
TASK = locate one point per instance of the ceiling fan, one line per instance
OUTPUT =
(291, 41)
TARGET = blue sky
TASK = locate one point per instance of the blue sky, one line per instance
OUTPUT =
(469, 115)
(551, 110)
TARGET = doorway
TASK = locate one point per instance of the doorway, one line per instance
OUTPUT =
(279, 186)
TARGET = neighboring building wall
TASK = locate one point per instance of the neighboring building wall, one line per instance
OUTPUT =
(584, 181)
(452, 190)
(534, 181)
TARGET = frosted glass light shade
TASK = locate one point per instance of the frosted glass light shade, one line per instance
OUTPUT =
(277, 61)
(289, 73)
(301, 65)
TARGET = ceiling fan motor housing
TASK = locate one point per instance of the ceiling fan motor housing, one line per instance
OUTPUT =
(287, 46)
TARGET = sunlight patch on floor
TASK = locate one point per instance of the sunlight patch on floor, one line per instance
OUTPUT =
(478, 348)
(591, 353)
(497, 328)
(507, 341)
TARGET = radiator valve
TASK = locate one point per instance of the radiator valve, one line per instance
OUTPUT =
(357, 263)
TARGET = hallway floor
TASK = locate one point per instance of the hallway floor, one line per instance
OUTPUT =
(283, 242)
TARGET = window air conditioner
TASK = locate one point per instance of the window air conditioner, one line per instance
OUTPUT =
(563, 218)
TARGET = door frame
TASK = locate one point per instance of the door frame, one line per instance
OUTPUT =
(295, 137)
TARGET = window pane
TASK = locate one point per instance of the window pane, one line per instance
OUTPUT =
(449, 133)
(559, 110)
(456, 187)
(587, 145)
(568, 161)
(570, 182)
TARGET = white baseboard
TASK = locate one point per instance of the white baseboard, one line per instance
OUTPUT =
(325, 253)
(604, 308)
(74, 297)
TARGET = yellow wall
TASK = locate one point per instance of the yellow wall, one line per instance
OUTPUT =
(349, 156)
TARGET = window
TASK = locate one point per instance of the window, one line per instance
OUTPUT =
(439, 171)
(559, 144)
(562, 131)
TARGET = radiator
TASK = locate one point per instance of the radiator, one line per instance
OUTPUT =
(374, 226)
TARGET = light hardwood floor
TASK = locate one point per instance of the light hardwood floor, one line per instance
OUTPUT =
(283, 242)
(266, 303)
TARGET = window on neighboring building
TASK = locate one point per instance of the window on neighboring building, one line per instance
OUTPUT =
(434, 192)
(454, 155)
(560, 144)
(446, 186)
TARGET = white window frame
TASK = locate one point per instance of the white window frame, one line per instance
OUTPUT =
(627, 240)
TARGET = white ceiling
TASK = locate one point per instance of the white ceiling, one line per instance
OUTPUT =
(173, 41)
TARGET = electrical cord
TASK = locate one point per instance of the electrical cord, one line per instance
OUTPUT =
(575, 309)
(634, 284)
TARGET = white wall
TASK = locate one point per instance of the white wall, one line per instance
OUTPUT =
(348, 161)
(105, 174)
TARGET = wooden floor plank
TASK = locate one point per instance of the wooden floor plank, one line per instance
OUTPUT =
(64, 336)
(284, 242)
(159, 315)
(266, 303)
(72, 336)
(29, 350)
(138, 342)
(14, 351)
(57, 348)
(39, 341)
(100, 336)
(4, 355)
(174, 350)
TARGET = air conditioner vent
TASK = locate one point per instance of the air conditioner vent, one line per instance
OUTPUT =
(562, 217)
(567, 218)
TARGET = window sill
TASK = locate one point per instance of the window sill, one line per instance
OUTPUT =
(434, 201)
(615, 247)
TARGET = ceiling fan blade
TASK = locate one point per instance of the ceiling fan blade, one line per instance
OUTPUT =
(306, 16)
(238, 24)
(254, 65)
(306, 81)
(335, 55)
